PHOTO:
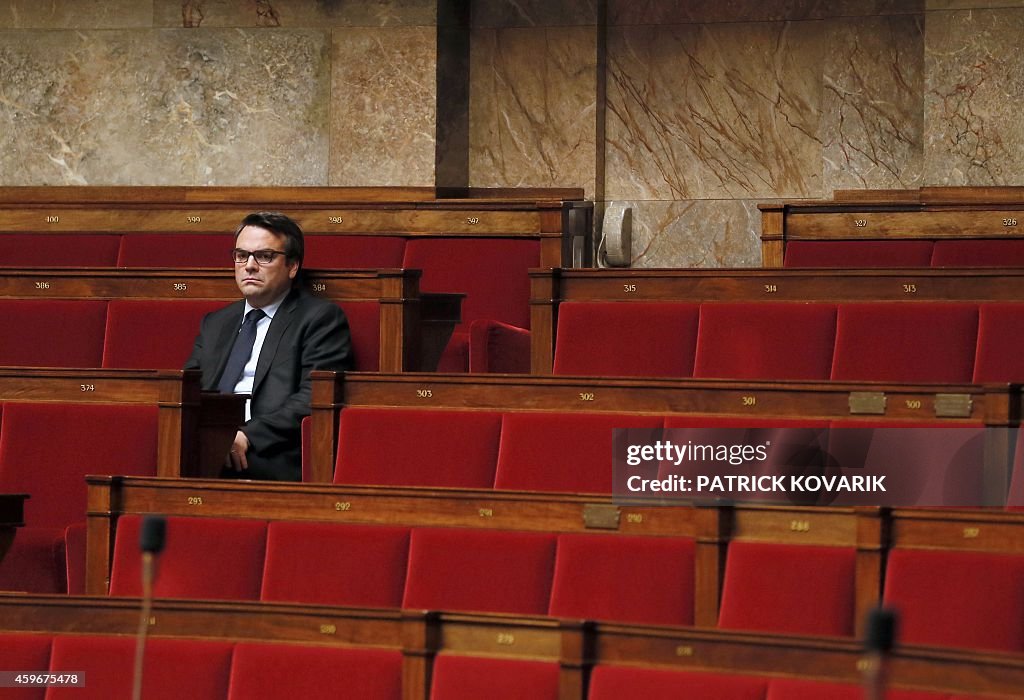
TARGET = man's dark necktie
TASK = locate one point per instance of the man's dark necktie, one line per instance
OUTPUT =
(240, 352)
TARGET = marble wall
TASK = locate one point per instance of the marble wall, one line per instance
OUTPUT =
(217, 92)
(691, 112)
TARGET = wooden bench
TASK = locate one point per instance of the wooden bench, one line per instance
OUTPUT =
(937, 226)
(573, 650)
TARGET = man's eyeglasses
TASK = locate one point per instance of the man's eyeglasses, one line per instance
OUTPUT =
(263, 257)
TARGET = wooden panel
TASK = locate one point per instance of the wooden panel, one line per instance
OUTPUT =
(868, 225)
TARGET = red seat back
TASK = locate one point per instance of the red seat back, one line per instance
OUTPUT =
(153, 334)
(275, 671)
(1000, 339)
(176, 250)
(58, 250)
(204, 558)
(648, 580)
(619, 339)
(765, 341)
(24, 652)
(364, 326)
(617, 682)
(332, 564)
(471, 678)
(788, 589)
(910, 343)
(979, 252)
(52, 332)
(480, 570)
(348, 252)
(893, 253)
(403, 447)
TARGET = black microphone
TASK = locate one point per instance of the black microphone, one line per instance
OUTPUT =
(151, 542)
(879, 636)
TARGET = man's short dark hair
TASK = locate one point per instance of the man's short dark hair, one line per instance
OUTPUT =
(294, 247)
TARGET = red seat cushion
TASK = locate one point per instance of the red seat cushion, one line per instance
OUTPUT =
(569, 452)
(617, 682)
(332, 564)
(979, 252)
(364, 326)
(1000, 339)
(765, 341)
(909, 342)
(24, 652)
(626, 579)
(107, 665)
(204, 558)
(493, 273)
(403, 447)
(52, 332)
(899, 253)
(153, 334)
(498, 347)
(472, 678)
(480, 570)
(788, 589)
(336, 252)
(275, 671)
(176, 250)
(957, 599)
(626, 339)
(58, 250)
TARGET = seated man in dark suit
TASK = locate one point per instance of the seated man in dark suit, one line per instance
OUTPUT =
(266, 344)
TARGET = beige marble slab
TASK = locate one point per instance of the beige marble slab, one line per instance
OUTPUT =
(383, 98)
(695, 233)
(872, 117)
(155, 107)
(294, 13)
(75, 14)
(624, 12)
(714, 111)
(974, 134)
(534, 13)
(533, 107)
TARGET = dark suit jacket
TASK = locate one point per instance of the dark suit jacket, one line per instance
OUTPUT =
(306, 333)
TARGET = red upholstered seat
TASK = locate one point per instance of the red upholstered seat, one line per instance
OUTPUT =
(908, 342)
(333, 564)
(618, 339)
(364, 325)
(74, 557)
(153, 334)
(1000, 343)
(52, 332)
(276, 671)
(472, 678)
(410, 447)
(204, 558)
(957, 599)
(46, 450)
(907, 253)
(176, 250)
(493, 273)
(618, 682)
(480, 570)
(788, 589)
(561, 451)
(348, 252)
(24, 652)
(799, 689)
(58, 250)
(765, 341)
(625, 579)
(170, 665)
(979, 252)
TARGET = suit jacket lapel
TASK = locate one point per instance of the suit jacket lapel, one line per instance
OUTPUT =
(225, 341)
(278, 326)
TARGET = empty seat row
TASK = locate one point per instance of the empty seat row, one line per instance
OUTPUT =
(922, 342)
(205, 670)
(983, 252)
(944, 597)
